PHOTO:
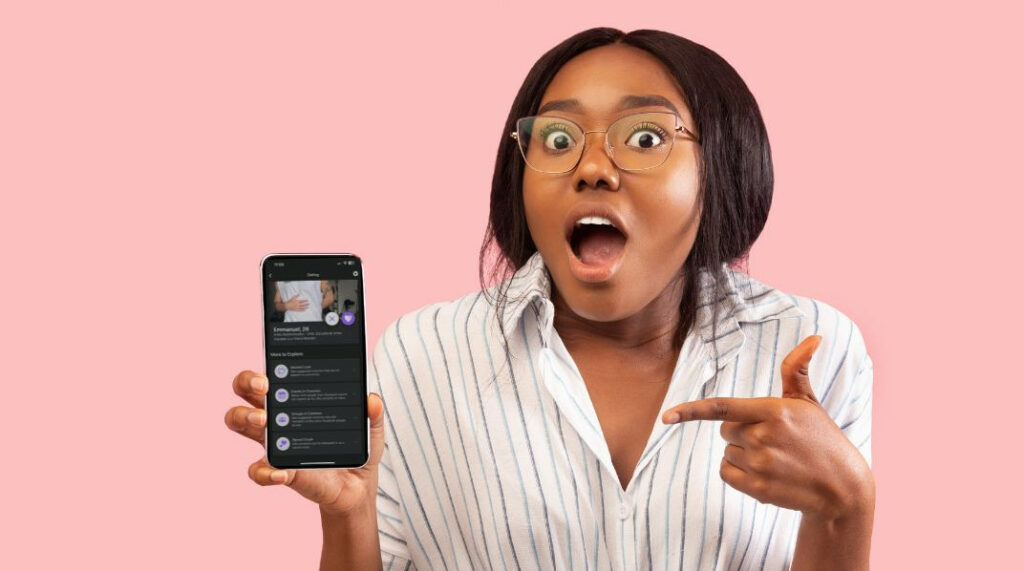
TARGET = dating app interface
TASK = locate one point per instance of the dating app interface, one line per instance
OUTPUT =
(316, 361)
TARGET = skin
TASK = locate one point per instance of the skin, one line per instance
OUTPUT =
(789, 452)
(347, 498)
(619, 332)
(785, 451)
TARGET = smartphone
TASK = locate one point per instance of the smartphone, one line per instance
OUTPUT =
(314, 340)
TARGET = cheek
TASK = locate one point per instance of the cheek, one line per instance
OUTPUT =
(675, 215)
(534, 212)
(541, 209)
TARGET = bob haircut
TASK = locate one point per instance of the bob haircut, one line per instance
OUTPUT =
(735, 176)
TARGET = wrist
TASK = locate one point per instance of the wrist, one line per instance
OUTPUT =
(350, 538)
(853, 501)
(841, 544)
(364, 509)
(841, 530)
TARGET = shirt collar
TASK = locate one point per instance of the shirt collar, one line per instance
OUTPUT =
(746, 300)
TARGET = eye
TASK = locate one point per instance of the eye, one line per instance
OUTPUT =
(557, 137)
(646, 136)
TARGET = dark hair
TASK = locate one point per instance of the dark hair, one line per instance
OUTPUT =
(734, 165)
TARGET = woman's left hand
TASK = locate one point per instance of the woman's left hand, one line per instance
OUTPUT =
(787, 451)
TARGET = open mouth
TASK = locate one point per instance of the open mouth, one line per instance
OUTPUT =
(597, 244)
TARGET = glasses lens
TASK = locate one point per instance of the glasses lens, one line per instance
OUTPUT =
(643, 140)
(549, 144)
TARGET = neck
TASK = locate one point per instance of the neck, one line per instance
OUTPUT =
(652, 329)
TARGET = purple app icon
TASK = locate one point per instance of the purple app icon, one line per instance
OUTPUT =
(348, 318)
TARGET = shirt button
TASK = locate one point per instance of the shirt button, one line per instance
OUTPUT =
(625, 510)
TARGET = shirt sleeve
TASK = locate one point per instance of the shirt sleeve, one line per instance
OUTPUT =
(394, 563)
(848, 397)
(390, 512)
(390, 515)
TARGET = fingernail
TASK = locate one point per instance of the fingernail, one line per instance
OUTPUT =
(671, 417)
(256, 417)
(279, 475)
(259, 384)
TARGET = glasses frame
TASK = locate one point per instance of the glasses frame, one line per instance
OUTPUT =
(679, 129)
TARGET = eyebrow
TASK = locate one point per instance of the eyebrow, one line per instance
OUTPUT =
(627, 102)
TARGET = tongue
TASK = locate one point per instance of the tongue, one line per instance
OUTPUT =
(601, 246)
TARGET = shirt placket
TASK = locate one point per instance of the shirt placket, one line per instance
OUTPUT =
(625, 556)
(565, 384)
(693, 370)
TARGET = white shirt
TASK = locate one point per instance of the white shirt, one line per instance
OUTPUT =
(495, 459)
(308, 290)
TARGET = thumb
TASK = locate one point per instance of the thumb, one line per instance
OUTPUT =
(795, 381)
(375, 410)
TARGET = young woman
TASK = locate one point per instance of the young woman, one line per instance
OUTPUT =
(626, 399)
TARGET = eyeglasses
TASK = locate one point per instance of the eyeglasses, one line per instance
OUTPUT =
(636, 142)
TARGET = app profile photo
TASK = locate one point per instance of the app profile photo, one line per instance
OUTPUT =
(283, 443)
(281, 371)
(281, 395)
(326, 301)
(282, 419)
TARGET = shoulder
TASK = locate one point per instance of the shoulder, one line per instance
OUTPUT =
(759, 302)
(840, 367)
(841, 370)
(839, 332)
(426, 339)
(442, 319)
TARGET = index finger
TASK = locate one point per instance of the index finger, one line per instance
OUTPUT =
(251, 386)
(719, 408)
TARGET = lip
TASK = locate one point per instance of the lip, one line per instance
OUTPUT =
(584, 272)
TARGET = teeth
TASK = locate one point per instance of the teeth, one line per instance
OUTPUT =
(595, 220)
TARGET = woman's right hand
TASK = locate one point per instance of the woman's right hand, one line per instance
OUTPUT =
(337, 490)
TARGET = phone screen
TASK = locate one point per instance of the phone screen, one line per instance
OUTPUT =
(315, 345)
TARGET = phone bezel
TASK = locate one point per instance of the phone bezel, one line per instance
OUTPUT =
(266, 358)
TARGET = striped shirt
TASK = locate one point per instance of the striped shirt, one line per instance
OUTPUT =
(495, 458)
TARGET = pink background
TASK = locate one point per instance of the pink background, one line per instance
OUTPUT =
(152, 153)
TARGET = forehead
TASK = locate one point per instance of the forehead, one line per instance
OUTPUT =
(600, 78)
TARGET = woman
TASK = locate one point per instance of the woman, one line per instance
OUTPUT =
(626, 399)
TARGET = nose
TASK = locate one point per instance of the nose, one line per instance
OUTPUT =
(596, 168)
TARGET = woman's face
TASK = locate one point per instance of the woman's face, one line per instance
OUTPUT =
(658, 207)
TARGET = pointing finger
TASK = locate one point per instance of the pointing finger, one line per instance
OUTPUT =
(721, 408)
